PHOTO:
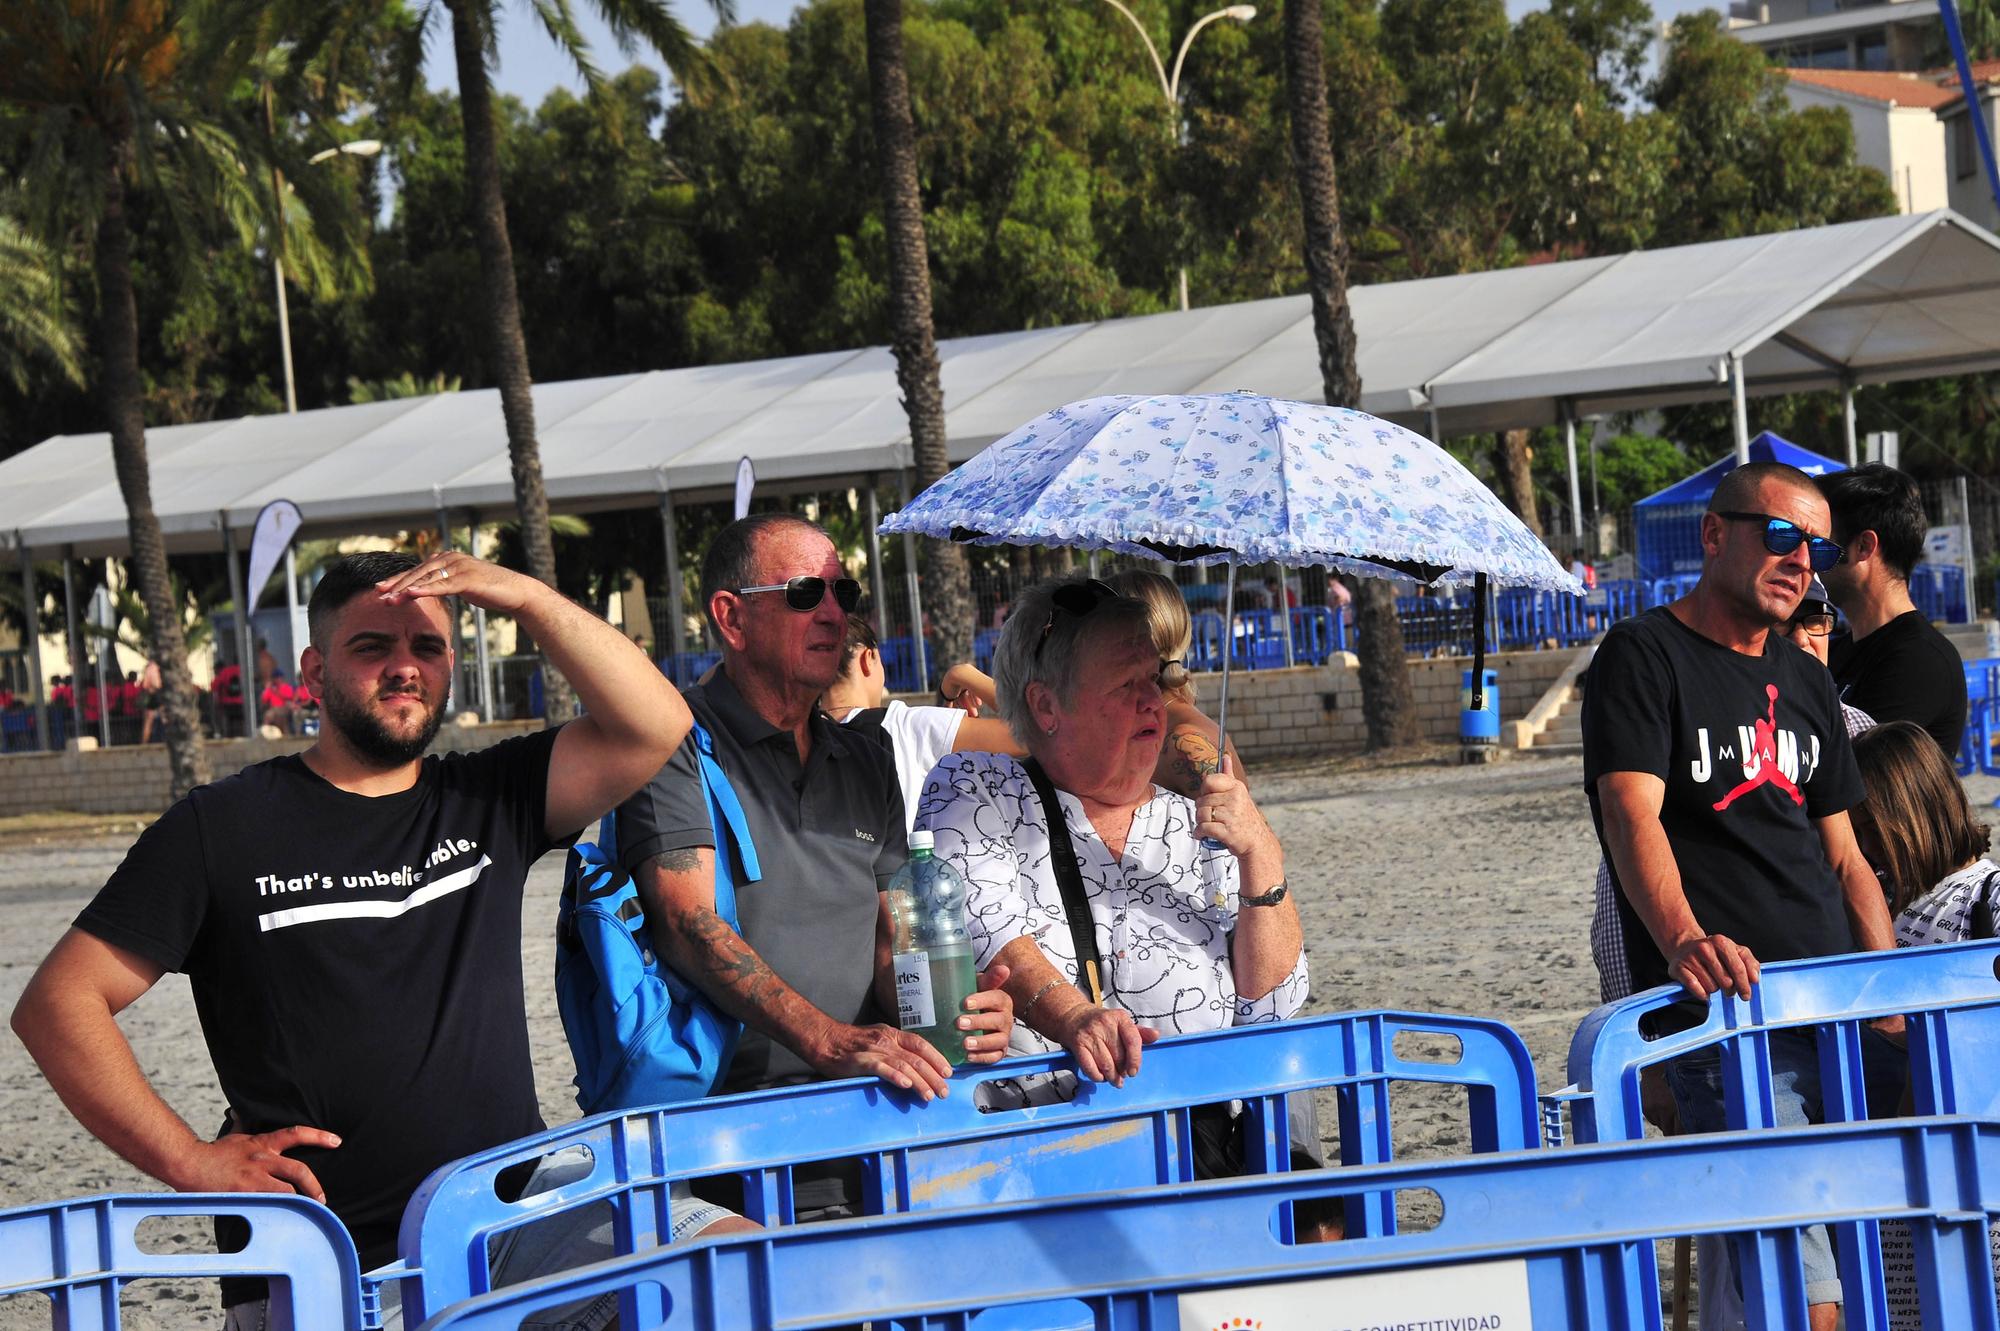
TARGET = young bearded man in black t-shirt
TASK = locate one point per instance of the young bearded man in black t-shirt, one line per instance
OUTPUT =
(1719, 776)
(1892, 663)
(350, 917)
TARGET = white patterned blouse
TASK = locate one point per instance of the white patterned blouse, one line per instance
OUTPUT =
(1163, 913)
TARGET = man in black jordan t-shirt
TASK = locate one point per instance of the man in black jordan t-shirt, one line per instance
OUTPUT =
(1892, 663)
(1719, 776)
(350, 917)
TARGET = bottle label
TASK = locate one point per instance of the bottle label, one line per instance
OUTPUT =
(915, 1008)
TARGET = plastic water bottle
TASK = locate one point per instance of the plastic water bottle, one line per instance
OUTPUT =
(933, 955)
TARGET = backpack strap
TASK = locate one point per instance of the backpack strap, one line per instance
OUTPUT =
(1069, 881)
(722, 796)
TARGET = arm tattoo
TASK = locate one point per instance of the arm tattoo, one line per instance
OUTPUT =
(676, 861)
(1189, 758)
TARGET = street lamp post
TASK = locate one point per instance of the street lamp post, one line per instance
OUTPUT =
(1171, 84)
(356, 148)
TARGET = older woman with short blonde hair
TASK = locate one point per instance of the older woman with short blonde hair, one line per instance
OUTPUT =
(1183, 901)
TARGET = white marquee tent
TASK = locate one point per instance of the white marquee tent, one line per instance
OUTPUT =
(1866, 302)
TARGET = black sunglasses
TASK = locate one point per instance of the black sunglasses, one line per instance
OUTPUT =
(804, 594)
(1782, 537)
(1074, 598)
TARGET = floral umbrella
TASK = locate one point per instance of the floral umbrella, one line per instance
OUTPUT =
(1239, 478)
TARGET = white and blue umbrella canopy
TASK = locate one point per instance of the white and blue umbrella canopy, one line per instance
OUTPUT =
(1237, 478)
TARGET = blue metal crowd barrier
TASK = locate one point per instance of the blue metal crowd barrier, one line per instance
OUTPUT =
(1949, 993)
(1205, 647)
(1949, 996)
(80, 1254)
(1535, 1238)
(1939, 591)
(684, 668)
(953, 1153)
(1317, 633)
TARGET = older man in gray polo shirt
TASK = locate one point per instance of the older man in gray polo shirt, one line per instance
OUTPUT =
(807, 970)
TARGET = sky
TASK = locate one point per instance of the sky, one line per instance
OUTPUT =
(530, 65)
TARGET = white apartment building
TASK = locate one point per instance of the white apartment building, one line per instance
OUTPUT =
(1913, 128)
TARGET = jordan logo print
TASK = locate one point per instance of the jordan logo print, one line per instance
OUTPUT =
(1760, 765)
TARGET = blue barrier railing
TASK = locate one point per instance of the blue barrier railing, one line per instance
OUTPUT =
(1539, 1238)
(950, 1153)
(1950, 995)
(1939, 591)
(80, 1254)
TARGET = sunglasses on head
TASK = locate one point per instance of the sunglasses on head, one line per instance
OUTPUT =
(804, 594)
(1074, 598)
(1782, 537)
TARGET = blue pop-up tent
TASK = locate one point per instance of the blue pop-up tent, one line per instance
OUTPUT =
(1669, 523)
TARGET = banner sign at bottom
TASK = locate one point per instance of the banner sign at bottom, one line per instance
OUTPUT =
(1476, 1296)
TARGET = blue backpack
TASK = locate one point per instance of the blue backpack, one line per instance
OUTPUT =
(641, 1034)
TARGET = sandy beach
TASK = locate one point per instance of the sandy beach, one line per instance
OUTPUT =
(1423, 885)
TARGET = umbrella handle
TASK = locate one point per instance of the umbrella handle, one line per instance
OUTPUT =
(1228, 649)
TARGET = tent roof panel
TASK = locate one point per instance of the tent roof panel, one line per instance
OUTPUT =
(1885, 299)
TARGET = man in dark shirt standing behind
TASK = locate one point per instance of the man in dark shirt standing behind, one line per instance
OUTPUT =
(1892, 664)
(1719, 776)
(349, 918)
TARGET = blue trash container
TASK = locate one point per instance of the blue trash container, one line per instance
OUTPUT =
(1481, 727)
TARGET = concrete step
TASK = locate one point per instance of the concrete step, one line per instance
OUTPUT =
(1565, 729)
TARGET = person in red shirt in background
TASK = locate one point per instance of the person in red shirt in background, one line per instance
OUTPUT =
(280, 704)
(60, 692)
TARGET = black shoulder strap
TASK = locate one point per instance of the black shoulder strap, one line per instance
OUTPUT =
(1982, 908)
(1069, 881)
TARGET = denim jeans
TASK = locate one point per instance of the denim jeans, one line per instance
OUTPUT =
(1696, 1081)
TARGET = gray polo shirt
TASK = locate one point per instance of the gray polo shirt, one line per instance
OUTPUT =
(829, 836)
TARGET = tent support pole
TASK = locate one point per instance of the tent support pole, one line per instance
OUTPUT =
(70, 641)
(246, 662)
(1596, 512)
(876, 582)
(459, 673)
(31, 610)
(671, 535)
(1847, 416)
(1284, 609)
(485, 665)
(916, 596)
(292, 606)
(1742, 410)
(1971, 556)
(1575, 492)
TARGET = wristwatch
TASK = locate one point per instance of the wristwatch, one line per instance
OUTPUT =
(1271, 898)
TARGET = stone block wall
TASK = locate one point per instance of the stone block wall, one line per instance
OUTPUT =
(1316, 710)
(1306, 712)
(133, 779)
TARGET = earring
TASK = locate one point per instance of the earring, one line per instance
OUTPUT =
(1052, 730)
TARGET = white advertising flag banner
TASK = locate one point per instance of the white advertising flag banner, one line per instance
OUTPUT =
(746, 481)
(1476, 1296)
(276, 525)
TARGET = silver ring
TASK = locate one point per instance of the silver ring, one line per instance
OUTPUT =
(444, 573)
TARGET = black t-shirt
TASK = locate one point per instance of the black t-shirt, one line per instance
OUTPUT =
(1904, 671)
(1752, 750)
(829, 833)
(355, 960)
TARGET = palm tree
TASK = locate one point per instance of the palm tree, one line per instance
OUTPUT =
(1387, 704)
(35, 320)
(474, 29)
(912, 336)
(116, 100)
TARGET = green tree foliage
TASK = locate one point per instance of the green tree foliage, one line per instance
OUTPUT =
(652, 232)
